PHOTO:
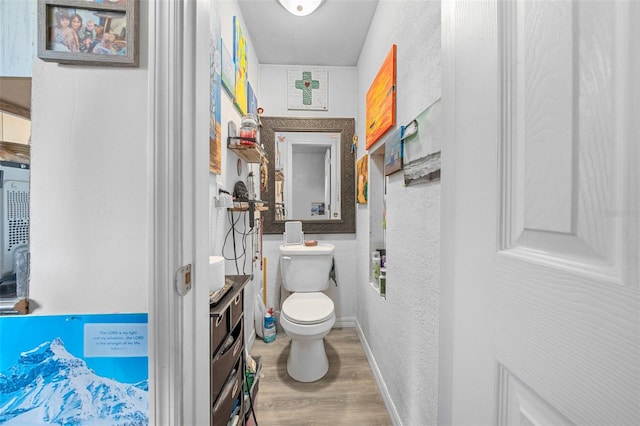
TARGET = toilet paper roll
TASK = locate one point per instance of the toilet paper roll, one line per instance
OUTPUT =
(216, 272)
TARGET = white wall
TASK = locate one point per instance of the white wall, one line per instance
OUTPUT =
(341, 97)
(401, 332)
(219, 219)
(342, 101)
(91, 187)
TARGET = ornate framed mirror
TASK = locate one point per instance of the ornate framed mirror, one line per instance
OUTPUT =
(327, 203)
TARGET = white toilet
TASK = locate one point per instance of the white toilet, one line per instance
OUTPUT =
(307, 315)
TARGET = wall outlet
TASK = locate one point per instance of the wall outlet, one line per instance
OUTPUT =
(224, 201)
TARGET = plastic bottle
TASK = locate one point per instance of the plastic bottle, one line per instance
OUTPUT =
(375, 268)
(269, 327)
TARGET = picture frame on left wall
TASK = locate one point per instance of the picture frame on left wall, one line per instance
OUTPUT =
(89, 32)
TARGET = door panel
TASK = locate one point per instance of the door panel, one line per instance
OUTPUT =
(572, 339)
(542, 96)
(540, 213)
(560, 142)
(566, 296)
(521, 406)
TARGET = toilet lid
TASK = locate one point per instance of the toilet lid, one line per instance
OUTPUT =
(307, 308)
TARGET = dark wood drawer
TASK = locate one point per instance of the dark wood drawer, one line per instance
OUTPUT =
(236, 308)
(219, 330)
(224, 361)
(231, 392)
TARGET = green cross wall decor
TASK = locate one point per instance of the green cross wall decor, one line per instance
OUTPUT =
(307, 85)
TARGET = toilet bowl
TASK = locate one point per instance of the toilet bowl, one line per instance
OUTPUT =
(307, 318)
(307, 315)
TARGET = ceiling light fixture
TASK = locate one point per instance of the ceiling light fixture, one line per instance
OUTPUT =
(300, 7)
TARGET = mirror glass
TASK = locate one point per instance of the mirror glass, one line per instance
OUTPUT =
(307, 182)
(311, 174)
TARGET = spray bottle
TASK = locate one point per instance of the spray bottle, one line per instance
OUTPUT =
(269, 326)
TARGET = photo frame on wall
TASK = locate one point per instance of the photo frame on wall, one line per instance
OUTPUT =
(393, 155)
(307, 89)
(240, 58)
(362, 183)
(228, 72)
(252, 101)
(381, 100)
(215, 82)
(87, 32)
(422, 144)
(104, 357)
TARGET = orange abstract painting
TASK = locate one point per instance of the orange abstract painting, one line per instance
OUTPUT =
(381, 100)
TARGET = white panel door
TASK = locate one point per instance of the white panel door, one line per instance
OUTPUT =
(546, 328)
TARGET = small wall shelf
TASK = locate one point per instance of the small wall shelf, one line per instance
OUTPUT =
(244, 209)
(250, 151)
(250, 154)
(253, 213)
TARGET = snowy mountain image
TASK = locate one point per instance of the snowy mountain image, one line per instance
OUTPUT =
(48, 385)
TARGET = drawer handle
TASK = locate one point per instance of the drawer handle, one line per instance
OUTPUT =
(219, 320)
(237, 299)
(235, 350)
(235, 389)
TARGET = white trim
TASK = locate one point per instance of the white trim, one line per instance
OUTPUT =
(196, 347)
(345, 322)
(179, 326)
(391, 408)
(448, 272)
(165, 306)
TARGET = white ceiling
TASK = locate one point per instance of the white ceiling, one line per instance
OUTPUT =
(331, 36)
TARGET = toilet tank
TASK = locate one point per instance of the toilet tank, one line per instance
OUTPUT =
(306, 268)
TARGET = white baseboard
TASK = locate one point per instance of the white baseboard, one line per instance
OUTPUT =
(391, 408)
(345, 322)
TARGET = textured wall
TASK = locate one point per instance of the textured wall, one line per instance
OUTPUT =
(219, 224)
(401, 332)
(342, 103)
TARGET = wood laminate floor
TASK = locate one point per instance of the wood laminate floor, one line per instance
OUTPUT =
(347, 395)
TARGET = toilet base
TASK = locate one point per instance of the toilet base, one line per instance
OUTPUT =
(307, 360)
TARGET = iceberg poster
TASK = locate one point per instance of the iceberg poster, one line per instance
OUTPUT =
(74, 370)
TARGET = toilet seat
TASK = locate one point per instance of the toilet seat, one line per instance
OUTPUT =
(308, 308)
